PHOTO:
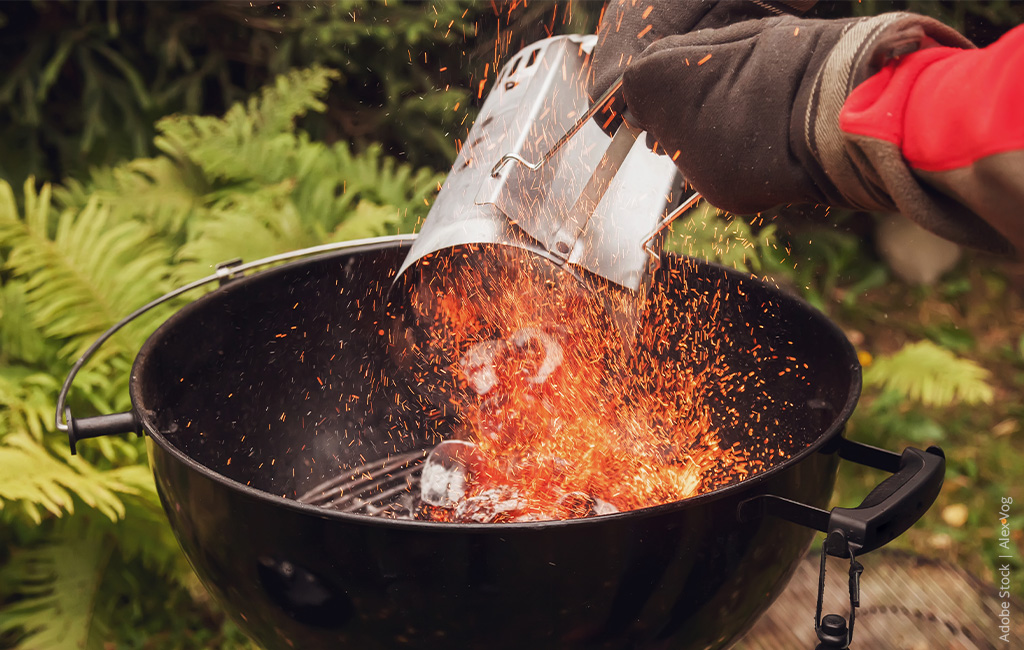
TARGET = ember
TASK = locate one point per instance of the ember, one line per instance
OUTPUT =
(557, 421)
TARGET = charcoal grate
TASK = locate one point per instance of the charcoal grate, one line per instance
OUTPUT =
(383, 487)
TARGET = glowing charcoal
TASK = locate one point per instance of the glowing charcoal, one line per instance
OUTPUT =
(550, 357)
(563, 425)
(496, 505)
(447, 471)
(575, 505)
(478, 364)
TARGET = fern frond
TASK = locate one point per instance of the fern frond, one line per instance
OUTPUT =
(367, 220)
(33, 478)
(383, 180)
(57, 586)
(26, 400)
(706, 234)
(433, 108)
(20, 339)
(161, 192)
(249, 141)
(329, 181)
(247, 225)
(315, 206)
(84, 275)
(932, 375)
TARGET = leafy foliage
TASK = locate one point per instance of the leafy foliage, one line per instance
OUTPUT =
(84, 82)
(59, 584)
(250, 172)
(930, 375)
(77, 258)
(35, 480)
(832, 265)
(707, 233)
(83, 272)
(25, 391)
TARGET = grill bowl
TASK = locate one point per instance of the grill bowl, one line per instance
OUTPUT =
(276, 382)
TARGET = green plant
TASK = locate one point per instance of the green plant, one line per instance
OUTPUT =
(904, 390)
(87, 534)
(82, 83)
(931, 375)
(833, 266)
(707, 233)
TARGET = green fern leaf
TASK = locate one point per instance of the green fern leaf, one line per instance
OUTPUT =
(931, 375)
(706, 234)
(19, 337)
(367, 220)
(161, 192)
(372, 175)
(57, 585)
(31, 475)
(26, 400)
(249, 141)
(83, 273)
(247, 225)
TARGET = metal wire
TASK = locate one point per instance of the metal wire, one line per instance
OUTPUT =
(573, 130)
(223, 273)
(369, 486)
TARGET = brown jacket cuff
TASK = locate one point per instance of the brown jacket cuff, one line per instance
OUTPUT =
(864, 48)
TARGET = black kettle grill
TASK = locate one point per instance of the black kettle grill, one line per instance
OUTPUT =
(278, 381)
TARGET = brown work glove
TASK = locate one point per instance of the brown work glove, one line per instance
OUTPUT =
(628, 27)
(750, 112)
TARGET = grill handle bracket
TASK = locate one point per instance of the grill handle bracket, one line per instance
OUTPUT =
(99, 425)
(893, 506)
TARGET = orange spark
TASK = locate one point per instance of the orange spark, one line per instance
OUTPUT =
(554, 407)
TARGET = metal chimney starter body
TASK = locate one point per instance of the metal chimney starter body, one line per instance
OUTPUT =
(595, 202)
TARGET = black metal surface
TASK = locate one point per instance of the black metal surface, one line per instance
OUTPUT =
(277, 382)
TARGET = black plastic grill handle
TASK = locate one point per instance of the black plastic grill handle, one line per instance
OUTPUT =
(892, 507)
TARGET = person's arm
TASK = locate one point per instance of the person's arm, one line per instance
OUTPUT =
(956, 119)
(751, 115)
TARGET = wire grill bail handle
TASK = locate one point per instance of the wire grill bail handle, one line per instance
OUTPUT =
(226, 271)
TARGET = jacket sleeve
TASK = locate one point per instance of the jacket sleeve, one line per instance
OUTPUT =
(941, 131)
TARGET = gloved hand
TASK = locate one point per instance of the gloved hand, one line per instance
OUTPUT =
(750, 112)
(628, 27)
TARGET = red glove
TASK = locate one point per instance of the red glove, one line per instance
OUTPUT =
(944, 128)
